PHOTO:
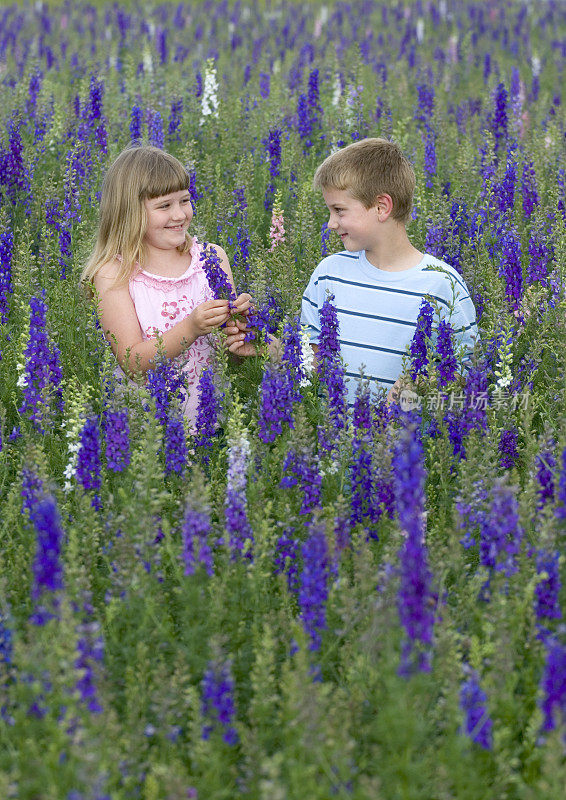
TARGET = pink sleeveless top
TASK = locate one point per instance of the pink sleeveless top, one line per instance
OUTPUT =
(161, 303)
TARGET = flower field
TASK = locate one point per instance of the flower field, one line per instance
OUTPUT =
(296, 599)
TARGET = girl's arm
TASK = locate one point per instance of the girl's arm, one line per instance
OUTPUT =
(121, 327)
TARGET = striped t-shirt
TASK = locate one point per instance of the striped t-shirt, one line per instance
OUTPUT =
(377, 311)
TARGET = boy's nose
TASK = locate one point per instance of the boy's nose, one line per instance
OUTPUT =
(332, 223)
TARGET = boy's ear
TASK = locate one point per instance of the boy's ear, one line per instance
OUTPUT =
(383, 206)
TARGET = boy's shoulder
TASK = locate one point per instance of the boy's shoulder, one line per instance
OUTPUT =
(438, 275)
(335, 266)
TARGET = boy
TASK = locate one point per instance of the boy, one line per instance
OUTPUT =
(380, 279)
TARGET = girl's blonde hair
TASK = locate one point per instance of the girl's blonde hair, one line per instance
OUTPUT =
(138, 173)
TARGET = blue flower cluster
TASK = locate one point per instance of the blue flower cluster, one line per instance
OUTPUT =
(90, 653)
(117, 436)
(418, 346)
(447, 365)
(276, 406)
(42, 377)
(313, 591)
(285, 558)
(329, 365)
(88, 459)
(165, 383)
(218, 709)
(553, 685)
(217, 279)
(47, 567)
(195, 533)
(501, 535)
(6, 288)
(175, 443)
(478, 724)
(415, 602)
(301, 468)
(207, 414)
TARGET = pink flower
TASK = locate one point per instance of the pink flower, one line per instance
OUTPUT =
(170, 310)
(276, 231)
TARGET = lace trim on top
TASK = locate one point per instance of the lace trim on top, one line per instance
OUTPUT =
(165, 284)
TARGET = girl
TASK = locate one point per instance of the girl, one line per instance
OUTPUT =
(148, 273)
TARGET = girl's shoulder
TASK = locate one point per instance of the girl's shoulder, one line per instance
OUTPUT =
(110, 274)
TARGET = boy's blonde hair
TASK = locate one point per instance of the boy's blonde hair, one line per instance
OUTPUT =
(139, 173)
(367, 169)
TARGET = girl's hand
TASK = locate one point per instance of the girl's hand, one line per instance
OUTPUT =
(207, 316)
(243, 304)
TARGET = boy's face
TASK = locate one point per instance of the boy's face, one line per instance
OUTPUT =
(355, 224)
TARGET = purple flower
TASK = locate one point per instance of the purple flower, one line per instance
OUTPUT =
(529, 189)
(88, 459)
(418, 346)
(42, 377)
(324, 237)
(243, 241)
(47, 567)
(207, 414)
(117, 435)
(273, 147)
(474, 415)
(285, 560)
(447, 364)
(155, 129)
(561, 498)
(329, 365)
(499, 120)
(276, 406)
(501, 534)
(364, 496)
(540, 255)
(553, 685)
(415, 602)
(313, 591)
(136, 119)
(165, 383)
(175, 444)
(508, 452)
(235, 513)
(506, 189)
(300, 468)
(510, 265)
(175, 119)
(6, 287)
(264, 84)
(217, 279)
(547, 592)
(478, 725)
(429, 137)
(545, 464)
(292, 357)
(32, 490)
(90, 654)
(425, 103)
(195, 533)
(304, 121)
(218, 708)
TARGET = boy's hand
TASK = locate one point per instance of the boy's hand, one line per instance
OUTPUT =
(236, 330)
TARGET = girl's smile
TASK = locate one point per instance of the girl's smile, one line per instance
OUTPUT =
(168, 218)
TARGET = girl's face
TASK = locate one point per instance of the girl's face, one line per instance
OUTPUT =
(168, 218)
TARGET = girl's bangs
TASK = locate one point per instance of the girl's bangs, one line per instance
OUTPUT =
(165, 178)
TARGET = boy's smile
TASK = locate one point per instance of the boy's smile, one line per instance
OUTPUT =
(355, 224)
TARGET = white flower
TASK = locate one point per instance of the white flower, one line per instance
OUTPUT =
(209, 106)
(337, 90)
(307, 357)
(420, 29)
